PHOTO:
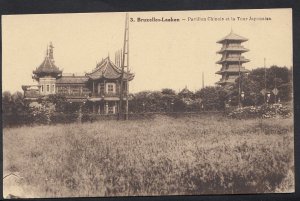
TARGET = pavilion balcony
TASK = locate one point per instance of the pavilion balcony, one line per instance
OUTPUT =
(95, 97)
(31, 91)
(105, 94)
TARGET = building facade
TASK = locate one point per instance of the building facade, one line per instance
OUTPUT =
(232, 60)
(100, 88)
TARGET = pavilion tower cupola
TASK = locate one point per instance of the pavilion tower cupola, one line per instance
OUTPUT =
(232, 60)
(47, 68)
(47, 73)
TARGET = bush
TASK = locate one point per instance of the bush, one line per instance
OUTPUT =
(264, 111)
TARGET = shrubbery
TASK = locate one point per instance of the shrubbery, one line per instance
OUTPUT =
(264, 111)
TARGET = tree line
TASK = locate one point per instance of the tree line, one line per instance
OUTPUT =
(217, 97)
(210, 98)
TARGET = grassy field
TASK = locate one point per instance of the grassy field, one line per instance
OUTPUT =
(161, 156)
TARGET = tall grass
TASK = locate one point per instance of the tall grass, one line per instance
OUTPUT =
(161, 156)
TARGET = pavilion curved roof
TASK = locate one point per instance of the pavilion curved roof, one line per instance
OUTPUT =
(47, 66)
(107, 69)
(185, 91)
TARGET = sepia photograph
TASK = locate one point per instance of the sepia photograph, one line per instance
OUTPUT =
(154, 103)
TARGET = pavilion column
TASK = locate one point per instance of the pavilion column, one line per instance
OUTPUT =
(114, 108)
(93, 88)
(117, 106)
(99, 110)
(94, 108)
(106, 107)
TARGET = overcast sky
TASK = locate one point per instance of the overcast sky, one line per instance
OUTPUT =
(162, 54)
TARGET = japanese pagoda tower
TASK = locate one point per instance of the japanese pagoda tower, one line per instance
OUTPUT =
(232, 59)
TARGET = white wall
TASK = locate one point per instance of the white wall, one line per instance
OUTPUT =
(47, 85)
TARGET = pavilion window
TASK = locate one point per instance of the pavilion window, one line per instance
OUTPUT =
(110, 88)
(110, 110)
(48, 88)
(52, 88)
(75, 90)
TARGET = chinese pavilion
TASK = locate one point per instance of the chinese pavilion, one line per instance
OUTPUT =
(232, 59)
(100, 88)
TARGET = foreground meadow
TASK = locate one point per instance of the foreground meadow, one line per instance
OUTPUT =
(159, 156)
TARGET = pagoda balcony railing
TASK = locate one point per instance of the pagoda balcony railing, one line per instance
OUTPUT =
(242, 58)
(105, 94)
(234, 47)
(233, 68)
(235, 57)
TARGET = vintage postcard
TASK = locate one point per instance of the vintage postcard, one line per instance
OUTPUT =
(148, 103)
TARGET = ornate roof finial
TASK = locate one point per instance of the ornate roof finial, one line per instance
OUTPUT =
(47, 51)
(51, 51)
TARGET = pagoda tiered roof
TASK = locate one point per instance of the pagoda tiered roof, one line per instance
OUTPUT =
(233, 70)
(107, 69)
(233, 49)
(227, 81)
(232, 37)
(233, 59)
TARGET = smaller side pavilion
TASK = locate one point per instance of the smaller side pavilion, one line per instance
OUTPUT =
(105, 82)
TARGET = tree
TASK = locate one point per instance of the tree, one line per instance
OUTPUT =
(17, 103)
(59, 102)
(213, 98)
(167, 91)
(13, 108)
(6, 102)
(254, 82)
